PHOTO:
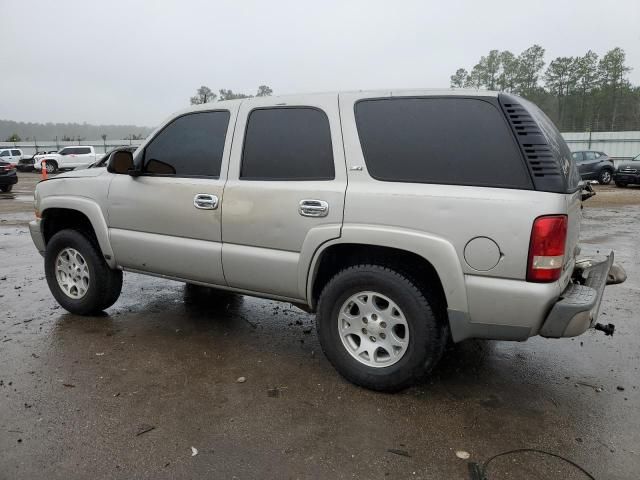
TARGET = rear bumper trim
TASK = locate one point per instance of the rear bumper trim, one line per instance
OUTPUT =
(577, 308)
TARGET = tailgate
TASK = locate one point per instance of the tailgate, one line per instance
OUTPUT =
(574, 213)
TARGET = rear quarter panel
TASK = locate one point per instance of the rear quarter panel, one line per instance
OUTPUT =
(456, 215)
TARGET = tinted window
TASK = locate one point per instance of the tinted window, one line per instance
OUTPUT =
(82, 151)
(577, 156)
(453, 141)
(287, 144)
(590, 155)
(66, 151)
(4, 153)
(15, 152)
(191, 145)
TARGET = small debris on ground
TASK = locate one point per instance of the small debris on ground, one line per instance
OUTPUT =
(620, 388)
(462, 454)
(241, 380)
(194, 451)
(144, 428)
(273, 392)
(69, 385)
(402, 453)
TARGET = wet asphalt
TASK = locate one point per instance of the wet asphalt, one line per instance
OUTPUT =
(129, 394)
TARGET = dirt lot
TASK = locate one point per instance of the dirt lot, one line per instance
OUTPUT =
(128, 394)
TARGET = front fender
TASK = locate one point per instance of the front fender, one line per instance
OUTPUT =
(92, 211)
(436, 250)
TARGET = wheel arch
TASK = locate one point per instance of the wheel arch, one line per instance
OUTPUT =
(420, 255)
(72, 212)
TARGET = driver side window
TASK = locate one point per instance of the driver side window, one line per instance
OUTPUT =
(190, 146)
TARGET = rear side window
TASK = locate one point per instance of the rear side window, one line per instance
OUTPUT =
(287, 144)
(191, 145)
(82, 151)
(15, 152)
(590, 155)
(455, 141)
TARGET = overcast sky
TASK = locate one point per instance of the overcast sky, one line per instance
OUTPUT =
(134, 62)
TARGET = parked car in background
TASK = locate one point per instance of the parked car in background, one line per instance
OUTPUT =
(11, 155)
(383, 212)
(628, 172)
(594, 165)
(68, 158)
(8, 177)
(104, 161)
(26, 164)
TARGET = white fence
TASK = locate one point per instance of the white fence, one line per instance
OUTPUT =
(618, 145)
(30, 148)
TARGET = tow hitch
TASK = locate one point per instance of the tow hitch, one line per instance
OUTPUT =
(608, 329)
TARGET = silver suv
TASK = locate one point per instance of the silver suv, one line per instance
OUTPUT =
(402, 218)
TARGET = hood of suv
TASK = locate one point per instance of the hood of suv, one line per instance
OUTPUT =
(92, 172)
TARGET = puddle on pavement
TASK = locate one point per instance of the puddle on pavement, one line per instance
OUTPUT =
(17, 197)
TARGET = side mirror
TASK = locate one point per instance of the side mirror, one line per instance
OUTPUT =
(121, 162)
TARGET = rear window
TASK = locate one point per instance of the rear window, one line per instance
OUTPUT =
(454, 141)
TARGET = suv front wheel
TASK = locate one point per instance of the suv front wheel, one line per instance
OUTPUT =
(378, 329)
(77, 275)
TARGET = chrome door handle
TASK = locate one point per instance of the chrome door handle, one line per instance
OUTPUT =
(313, 208)
(205, 201)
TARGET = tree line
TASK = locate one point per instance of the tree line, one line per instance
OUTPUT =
(205, 95)
(584, 93)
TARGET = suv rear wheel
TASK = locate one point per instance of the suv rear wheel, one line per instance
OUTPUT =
(605, 176)
(378, 329)
(6, 188)
(77, 274)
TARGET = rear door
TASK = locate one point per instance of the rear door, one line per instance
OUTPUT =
(285, 192)
(16, 156)
(578, 157)
(167, 221)
(591, 160)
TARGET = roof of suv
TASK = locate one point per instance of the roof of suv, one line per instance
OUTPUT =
(441, 92)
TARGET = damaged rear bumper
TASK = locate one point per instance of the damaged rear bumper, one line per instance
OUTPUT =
(577, 308)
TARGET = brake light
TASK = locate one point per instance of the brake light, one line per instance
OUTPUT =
(546, 248)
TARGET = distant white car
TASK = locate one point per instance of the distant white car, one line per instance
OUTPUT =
(80, 156)
(11, 155)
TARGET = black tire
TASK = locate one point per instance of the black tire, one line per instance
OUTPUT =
(605, 176)
(6, 188)
(428, 333)
(621, 184)
(105, 284)
(51, 166)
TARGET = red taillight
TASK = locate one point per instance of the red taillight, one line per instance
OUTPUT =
(546, 248)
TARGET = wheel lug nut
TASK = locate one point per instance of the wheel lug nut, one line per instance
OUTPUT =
(364, 320)
(383, 336)
(374, 316)
(383, 324)
(373, 339)
(364, 330)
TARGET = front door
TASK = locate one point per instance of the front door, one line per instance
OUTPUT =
(167, 220)
(285, 192)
